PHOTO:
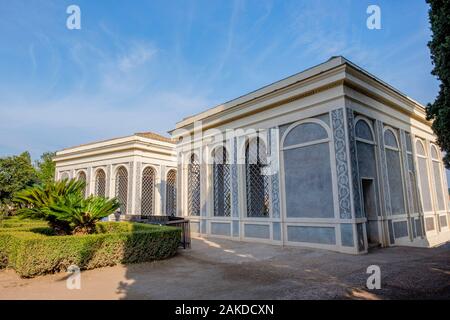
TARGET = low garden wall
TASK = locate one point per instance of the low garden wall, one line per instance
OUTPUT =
(30, 249)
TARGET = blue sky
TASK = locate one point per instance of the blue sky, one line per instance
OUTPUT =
(143, 65)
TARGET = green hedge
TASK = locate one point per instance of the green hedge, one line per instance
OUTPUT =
(34, 251)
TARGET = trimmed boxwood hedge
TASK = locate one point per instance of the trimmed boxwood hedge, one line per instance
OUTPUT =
(32, 250)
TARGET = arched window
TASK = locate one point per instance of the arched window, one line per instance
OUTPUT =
(434, 153)
(412, 174)
(390, 139)
(221, 183)
(171, 193)
(424, 182)
(363, 131)
(82, 177)
(148, 191)
(307, 170)
(420, 150)
(100, 183)
(437, 178)
(122, 188)
(256, 179)
(64, 176)
(394, 169)
(194, 186)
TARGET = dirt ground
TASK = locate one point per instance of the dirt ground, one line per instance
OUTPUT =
(224, 269)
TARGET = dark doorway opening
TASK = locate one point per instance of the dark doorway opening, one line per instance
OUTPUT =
(370, 211)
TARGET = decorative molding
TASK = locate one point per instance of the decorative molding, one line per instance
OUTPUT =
(138, 187)
(409, 197)
(384, 172)
(234, 180)
(342, 170)
(109, 180)
(130, 187)
(273, 139)
(162, 192)
(354, 163)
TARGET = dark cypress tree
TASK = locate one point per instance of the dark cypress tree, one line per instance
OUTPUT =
(439, 110)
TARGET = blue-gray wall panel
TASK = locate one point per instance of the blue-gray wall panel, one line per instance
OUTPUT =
(400, 229)
(347, 235)
(276, 231)
(395, 181)
(221, 229)
(257, 231)
(235, 228)
(308, 189)
(321, 235)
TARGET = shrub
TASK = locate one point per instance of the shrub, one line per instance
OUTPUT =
(32, 251)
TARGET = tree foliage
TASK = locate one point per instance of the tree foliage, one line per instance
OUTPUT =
(45, 167)
(439, 110)
(16, 173)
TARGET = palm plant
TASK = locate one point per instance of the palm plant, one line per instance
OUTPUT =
(63, 205)
(34, 201)
(82, 214)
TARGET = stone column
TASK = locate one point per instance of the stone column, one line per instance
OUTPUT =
(234, 187)
(138, 191)
(162, 188)
(273, 139)
(131, 181)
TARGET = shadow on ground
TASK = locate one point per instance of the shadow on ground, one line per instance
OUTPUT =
(224, 269)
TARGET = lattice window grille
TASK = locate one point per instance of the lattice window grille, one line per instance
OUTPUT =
(148, 191)
(257, 180)
(100, 183)
(194, 186)
(171, 193)
(221, 183)
(122, 189)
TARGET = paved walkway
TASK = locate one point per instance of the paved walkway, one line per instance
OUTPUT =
(223, 269)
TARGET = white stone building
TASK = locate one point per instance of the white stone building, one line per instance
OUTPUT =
(331, 157)
(140, 170)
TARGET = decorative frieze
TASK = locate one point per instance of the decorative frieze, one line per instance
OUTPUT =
(342, 170)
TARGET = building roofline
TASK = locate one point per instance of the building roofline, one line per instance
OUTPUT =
(140, 136)
(332, 63)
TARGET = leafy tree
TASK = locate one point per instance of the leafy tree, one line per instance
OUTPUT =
(46, 167)
(16, 173)
(439, 110)
(63, 205)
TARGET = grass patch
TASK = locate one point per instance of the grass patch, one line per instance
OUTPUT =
(31, 249)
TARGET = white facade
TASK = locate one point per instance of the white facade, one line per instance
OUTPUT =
(330, 158)
(143, 161)
(334, 205)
